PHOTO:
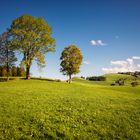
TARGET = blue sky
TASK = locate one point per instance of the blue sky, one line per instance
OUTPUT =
(107, 32)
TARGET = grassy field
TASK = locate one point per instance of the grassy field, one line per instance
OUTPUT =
(41, 109)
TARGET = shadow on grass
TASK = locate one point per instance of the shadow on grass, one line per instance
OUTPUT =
(46, 79)
(4, 79)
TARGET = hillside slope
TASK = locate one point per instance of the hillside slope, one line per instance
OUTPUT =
(110, 78)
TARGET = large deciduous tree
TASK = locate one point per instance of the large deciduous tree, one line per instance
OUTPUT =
(71, 59)
(32, 37)
(7, 55)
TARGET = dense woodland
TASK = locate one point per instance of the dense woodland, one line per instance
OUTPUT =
(13, 71)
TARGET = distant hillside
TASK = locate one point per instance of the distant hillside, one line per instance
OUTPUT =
(110, 78)
(113, 77)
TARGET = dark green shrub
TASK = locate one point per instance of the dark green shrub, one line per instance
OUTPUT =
(58, 80)
(96, 78)
(112, 84)
(82, 77)
(120, 82)
(133, 84)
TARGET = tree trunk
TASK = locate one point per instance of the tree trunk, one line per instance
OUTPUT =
(69, 78)
(7, 63)
(27, 72)
(7, 69)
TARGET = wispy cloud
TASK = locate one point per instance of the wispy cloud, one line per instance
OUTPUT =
(127, 65)
(114, 70)
(97, 43)
(119, 63)
(136, 57)
(86, 62)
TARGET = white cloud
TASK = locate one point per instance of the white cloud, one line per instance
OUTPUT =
(100, 42)
(136, 57)
(97, 43)
(129, 60)
(114, 70)
(86, 62)
(93, 42)
(120, 63)
(127, 65)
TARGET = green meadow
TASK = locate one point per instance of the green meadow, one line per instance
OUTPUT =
(44, 109)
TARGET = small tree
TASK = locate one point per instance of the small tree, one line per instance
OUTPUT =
(32, 37)
(7, 55)
(71, 59)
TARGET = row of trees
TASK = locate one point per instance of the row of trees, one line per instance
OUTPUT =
(13, 71)
(96, 78)
(32, 37)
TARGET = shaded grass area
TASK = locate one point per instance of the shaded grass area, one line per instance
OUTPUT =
(38, 109)
(4, 79)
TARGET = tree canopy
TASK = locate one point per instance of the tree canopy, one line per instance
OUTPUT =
(32, 37)
(71, 59)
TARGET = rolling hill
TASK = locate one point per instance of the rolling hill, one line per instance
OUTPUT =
(41, 109)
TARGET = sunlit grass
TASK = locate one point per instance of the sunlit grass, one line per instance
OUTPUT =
(39, 109)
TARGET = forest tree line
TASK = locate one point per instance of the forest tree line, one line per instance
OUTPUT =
(13, 71)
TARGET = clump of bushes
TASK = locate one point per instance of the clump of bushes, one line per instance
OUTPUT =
(58, 80)
(82, 77)
(133, 84)
(120, 82)
(112, 84)
(96, 78)
(136, 73)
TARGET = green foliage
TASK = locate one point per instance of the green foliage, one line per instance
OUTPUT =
(112, 84)
(96, 78)
(3, 72)
(135, 83)
(32, 37)
(7, 55)
(136, 75)
(82, 77)
(71, 60)
(58, 80)
(13, 71)
(21, 72)
(120, 81)
(38, 109)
